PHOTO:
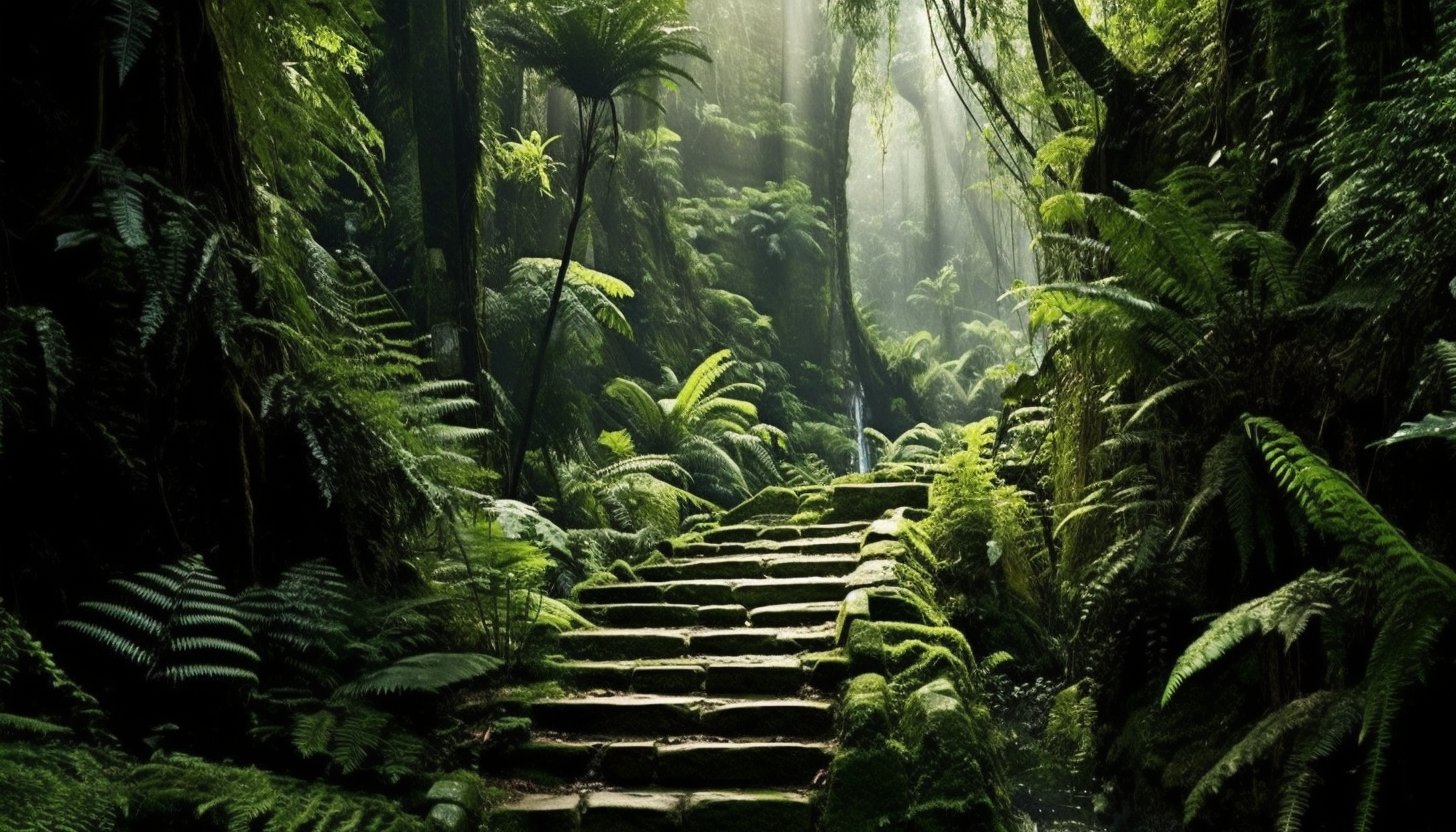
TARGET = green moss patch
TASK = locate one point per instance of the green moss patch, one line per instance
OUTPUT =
(774, 500)
(868, 790)
(864, 715)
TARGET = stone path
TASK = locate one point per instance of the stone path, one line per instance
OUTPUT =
(701, 705)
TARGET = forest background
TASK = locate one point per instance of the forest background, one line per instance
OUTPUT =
(274, 288)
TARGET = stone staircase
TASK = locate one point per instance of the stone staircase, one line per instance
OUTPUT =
(702, 701)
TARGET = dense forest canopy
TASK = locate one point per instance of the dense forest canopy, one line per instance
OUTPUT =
(345, 343)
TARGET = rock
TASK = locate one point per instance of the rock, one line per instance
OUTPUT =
(774, 500)
(864, 714)
(868, 501)
(629, 763)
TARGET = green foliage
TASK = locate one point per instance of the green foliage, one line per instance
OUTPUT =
(133, 20)
(238, 799)
(707, 428)
(426, 672)
(20, 326)
(1414, 598)
(57, 789)
(178, 624)
(525, 160)
(599, 51)
(64, 704)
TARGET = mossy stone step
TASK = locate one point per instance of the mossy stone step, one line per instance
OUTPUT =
(623, 715)
(839, 544)
(538, 813)
(810, 566)
(703, 811)
(723, 811)
(748, 592)
(777, 674)
(741, 764)
(616, 644)
(764, 592)
(646, 715)
(631, 811)
(804, 718)
(609, 645)
(641, 615)
(794, 615)
(728, 567)
(744, 533)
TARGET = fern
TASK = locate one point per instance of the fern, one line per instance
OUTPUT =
(427, 672)
(178, 624)
(56, 789)
(133, 20)
(1287, 611)
(175, 789)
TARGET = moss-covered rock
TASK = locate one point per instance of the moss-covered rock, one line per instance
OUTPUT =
(866, 648)
(868, 790)
(855, 607)
(774, 500)
(868, 501)
(914, 664)
(893, 603)
(813, 505)
(623, 571)
(942, 743)
(864, 715)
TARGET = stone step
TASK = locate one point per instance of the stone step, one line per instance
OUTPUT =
(718, 764)
(750, 566)
(747, 592)
(840, 544)
(698, 811)
(647, 715)
(794, 615)
(663, 643)
(745, 534)
(725, 676)
(685, 764)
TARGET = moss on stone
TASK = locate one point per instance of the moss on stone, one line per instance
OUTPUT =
(948, 637)
(774, 500)
(915, 664)
(592, 580)
(623, 571)
(855, 607)
(942, 743)
(866, 648)
(813, 505)
(868, 501)
(868, 790)
(864, 716)
(898, 604)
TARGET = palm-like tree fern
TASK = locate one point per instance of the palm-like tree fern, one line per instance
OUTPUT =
(598, 51)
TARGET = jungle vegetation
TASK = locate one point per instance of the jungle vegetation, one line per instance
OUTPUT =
(340, 339)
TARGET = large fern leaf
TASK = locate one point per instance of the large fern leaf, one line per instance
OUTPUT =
(425, 672)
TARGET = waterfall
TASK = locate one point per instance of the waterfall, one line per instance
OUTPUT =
(856, 412)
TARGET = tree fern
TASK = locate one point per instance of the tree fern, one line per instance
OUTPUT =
(177, 624)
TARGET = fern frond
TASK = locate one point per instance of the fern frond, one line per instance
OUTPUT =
(133, 20)
(425, 672)
(1286, 611)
